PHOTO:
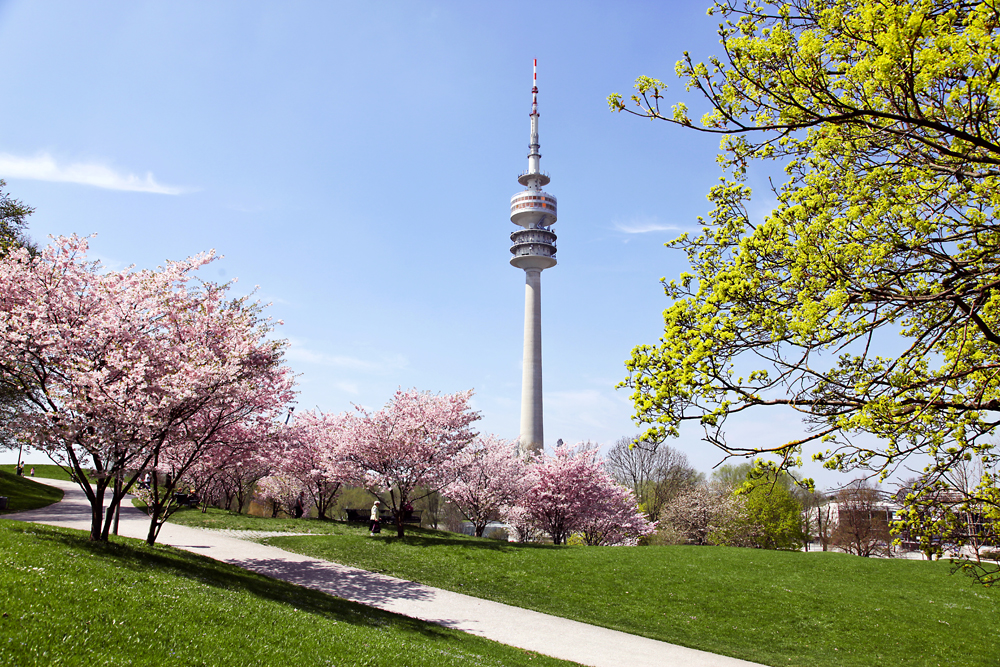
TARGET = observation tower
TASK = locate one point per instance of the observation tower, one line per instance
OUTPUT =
(534, 248)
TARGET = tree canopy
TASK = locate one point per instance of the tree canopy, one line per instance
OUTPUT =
(13, 222)
(867, 299)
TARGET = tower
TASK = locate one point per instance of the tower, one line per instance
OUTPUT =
(534, 250)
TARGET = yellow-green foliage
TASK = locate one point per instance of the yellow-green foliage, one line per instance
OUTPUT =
(867, 299)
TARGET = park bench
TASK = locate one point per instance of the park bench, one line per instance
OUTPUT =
(186, 500)
(385, 516)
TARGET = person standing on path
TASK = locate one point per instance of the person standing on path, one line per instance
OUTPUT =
(375, 527)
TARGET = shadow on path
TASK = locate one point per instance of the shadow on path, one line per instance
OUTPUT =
(358, 585)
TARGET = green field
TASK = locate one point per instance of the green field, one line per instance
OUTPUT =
(46, 470)
(65, 600)
(778, 608)
(216, 518)
(23, 493)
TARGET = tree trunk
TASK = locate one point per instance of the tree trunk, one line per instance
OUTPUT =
(118, 503)
(153, 527)
(96, 519)
(108, 519)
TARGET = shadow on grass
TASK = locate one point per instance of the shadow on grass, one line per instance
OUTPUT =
(138, 557)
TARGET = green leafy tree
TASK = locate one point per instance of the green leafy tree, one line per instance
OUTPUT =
(777, 514)
(771, 516)
(13, 222)
(868, 298)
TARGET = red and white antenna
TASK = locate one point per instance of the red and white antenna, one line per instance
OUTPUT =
(534, 88)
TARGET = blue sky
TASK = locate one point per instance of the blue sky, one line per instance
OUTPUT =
(355, 161)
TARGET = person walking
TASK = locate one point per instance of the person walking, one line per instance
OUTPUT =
(376, 526)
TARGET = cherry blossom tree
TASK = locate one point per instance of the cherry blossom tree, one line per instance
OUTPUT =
(571, 491)
(520, 522)
(407, 450)
(313, 455)
(490, 479)
(237, 480)
(706, 515)
(283, 493)
(215, 439)
(615, 518)
(113, 364)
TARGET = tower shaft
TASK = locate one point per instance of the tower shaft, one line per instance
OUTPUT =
(532, 432)
(533, 248)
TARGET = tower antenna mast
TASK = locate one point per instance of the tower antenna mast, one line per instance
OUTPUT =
(533, 247)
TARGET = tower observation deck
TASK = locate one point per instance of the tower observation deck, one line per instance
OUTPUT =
(533, 247)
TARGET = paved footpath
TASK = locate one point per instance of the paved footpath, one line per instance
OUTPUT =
(531, 630)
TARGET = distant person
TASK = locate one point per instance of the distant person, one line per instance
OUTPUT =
(32, 471)
(20, 469)
(299, 506)
(376, 527)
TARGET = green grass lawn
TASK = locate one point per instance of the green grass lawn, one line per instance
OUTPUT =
(24, 493)
(223, 519)
(65, 600)
(778, 608)
(45, 470)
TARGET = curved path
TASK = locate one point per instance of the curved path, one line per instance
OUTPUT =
(523, 628)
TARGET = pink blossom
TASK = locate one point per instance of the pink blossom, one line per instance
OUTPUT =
(570, 491)
(130, 370)
(406, 450)
(490, 480)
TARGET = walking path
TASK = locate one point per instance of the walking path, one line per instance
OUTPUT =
(531, 630)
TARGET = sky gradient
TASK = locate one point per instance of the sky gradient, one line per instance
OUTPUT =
(355, 161)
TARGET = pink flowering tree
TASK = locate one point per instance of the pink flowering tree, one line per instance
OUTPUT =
(562, 489)
(615, 518)
(216, 439)
(570, 491)
(313, 455)
(237, 480)
(490, 479)
(407, 450)
(522, 527)
(282, 493)
(114, 363)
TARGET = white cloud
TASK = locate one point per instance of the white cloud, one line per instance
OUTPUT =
(643, 225)
(298, 352)
(43, 167)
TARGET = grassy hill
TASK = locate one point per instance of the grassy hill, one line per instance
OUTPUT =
(25, 494)
(778, 608)
(65, 600)
(46, 470)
